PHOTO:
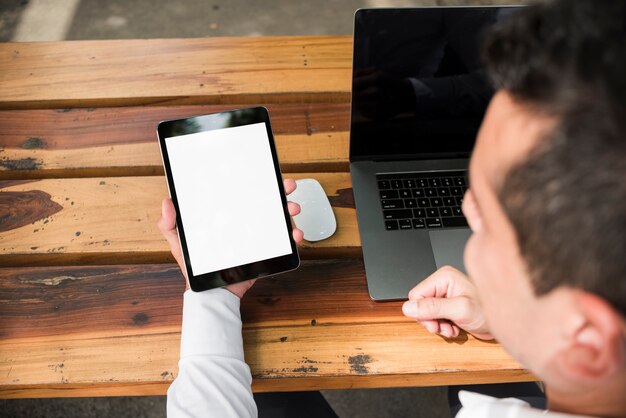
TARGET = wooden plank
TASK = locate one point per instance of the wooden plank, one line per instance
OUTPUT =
(175, 71)
(287, 384)
(122, 141)
(129, 299)
(90, 331)
(112, 220)
(396, 354)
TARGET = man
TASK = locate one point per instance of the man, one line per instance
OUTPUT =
(547, 258)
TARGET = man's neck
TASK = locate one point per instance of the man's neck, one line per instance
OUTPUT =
(605, 402)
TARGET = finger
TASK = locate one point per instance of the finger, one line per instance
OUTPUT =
(167, 226)
(167, 223)
(431, 326)
(290, 185)
(298, 235)
(239, 289)
(445, 329)
(174, 243)
(294, 208)
(453, 309)
(455, 330)
(168, 216)
(437, 284)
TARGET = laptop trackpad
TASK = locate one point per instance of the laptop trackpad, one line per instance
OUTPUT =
(448, 246)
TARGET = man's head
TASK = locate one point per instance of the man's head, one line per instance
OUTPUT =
(548, 192)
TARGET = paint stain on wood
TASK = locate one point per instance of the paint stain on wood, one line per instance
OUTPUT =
(22, 208)
(140, 319)
(35, 143)
(305, 369)
(20, 164)
(48, 281)
(343, 199)
(358, 363)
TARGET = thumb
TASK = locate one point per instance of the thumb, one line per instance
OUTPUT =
(434, 308)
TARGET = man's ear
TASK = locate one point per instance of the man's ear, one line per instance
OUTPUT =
(596, 351)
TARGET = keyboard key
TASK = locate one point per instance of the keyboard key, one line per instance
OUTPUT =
(391, 225)
(445, 211)
(459, 181)
(419, 213)
(421, 182)
(389, 194)
(432, 213)
(405, 224)
(409, 184)
(423, 203)
(418, 193)
(434, 182)
(405, 193)
(443, 191)
(410, 203)
(449, 201)
(418, 224)
(384, 184)
(454, 222)
(431, 192)
(447, 182)
(456, 211)
(459, 201)
(396, 184)
(436, 201)
(456, 191)
(433, 222)
(397, 214)
(393, 204)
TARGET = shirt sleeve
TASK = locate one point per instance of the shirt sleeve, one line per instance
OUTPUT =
(477, 405)
(213, 379)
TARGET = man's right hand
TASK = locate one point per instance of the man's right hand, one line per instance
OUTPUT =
(446, 302)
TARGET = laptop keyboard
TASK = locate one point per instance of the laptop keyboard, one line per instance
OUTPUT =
(422, 200)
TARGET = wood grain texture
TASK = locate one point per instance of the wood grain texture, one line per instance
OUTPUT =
(112, 220)
(49, 301)
(175, 71)
(397, 353)
(286, 384)
(76, 331)
(122, 141)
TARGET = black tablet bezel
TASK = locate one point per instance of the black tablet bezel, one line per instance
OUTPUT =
(259, 269)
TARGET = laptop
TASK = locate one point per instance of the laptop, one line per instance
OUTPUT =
(419, 95)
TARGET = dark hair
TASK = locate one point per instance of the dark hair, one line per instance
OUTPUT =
(567, 201)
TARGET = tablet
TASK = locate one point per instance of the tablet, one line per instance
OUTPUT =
(231, 211)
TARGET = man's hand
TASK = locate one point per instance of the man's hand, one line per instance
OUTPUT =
(167, 226)
(446, 302)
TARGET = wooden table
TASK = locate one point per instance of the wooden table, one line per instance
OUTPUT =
(90, 302)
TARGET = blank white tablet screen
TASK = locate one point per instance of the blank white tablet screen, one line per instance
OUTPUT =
(228, 197)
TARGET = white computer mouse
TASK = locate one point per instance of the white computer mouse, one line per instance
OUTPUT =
(316, 218)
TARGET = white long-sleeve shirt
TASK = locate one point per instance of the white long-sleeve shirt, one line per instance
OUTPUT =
(214, 380)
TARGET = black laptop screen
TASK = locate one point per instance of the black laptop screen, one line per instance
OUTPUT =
(418, 89)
